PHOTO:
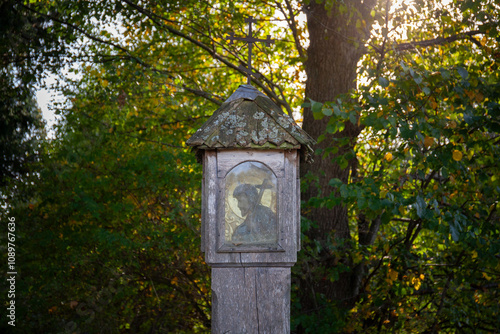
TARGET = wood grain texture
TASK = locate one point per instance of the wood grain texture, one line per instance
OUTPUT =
(288, 212)
(251, 285)
(297, 205)
(290, 197)
(228, 159)
(251, 300)
(203, 202)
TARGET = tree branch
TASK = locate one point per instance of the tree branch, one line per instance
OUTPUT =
(293, 26)
(197, 92)
(414, 228)
(209, 50)
(437, 41)
(203, 94)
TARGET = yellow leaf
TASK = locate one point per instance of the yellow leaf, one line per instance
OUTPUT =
(428, 141)
(417, 285)
(357, 257)
(474, 254)
(104, 83)
(457, 155)
(479, 97)
(393, 274)
(434, 105)
(388, 156)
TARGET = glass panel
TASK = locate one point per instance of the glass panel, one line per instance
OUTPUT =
(250, 205)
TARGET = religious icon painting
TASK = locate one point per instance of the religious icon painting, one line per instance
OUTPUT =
(251, 205)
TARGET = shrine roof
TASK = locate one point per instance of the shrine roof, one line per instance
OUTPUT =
(249, 119)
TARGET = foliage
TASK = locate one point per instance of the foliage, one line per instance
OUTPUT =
(20, 120)
(20, 128)
(423, 202)
(116, 211)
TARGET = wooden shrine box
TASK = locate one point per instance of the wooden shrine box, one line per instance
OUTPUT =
(250, 151)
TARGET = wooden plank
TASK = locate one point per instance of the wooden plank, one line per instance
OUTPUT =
(273, 299)
(203, 203)
(252, 248)
(221, 214)
(211, 202)
(228, 159)
(216, 228)
(289, 198)
(251, 300)
(297, 191)
(234, 308)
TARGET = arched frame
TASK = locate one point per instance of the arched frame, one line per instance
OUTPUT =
(251, 205)
(222, 175)
(243, 172)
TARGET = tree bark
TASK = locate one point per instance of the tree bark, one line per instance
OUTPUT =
(335, 48)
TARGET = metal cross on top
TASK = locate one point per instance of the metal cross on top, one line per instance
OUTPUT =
(250, 40)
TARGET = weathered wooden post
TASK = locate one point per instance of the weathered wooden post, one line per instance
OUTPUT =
(250, 229)
(250, 210)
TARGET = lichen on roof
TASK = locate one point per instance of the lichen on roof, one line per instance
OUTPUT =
(249, 119)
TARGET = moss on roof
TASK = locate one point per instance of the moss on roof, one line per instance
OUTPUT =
(249, 119)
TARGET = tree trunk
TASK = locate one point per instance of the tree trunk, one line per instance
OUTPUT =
(335, 48)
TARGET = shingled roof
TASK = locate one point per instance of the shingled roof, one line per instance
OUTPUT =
(249, 119)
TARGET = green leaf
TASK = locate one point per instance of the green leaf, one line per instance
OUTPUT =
(335, 183)
(383, 82)
(352, 117)
(337, 110)
(463, 72)
(327, 111)
(445, 73)
(420, 206)
(455, 235)
(316, 108)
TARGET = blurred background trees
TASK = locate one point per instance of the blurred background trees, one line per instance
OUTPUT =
(400, 224)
